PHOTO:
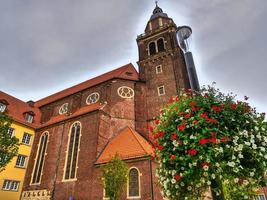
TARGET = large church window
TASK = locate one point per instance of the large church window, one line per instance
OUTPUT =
(39, 160)
(134, 183)
(152, 48)
(160, 44)
(72, 153)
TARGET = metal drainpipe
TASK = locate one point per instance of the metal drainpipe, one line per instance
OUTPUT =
(151, 179)
(57, 165)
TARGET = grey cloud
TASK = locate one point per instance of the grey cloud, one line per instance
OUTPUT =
(49, 45)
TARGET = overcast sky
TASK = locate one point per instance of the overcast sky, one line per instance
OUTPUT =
(48, 45)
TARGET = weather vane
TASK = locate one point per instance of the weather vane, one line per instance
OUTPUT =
(156, 3)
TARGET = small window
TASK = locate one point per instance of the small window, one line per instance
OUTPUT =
(26, 138)
(160, 44)
(11, 132)
(152, 48)
(134, 183)
(125, 92)
(63, 109)
(2, 107)
(259, 197)
(158, 69)
(92, 98)
(10, 185)
(21, 161)
(29, 118)
(161, 90)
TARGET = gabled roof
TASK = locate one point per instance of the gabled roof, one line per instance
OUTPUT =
(128, 144)
(125, 72)
(17, 108)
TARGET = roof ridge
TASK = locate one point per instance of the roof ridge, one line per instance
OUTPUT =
(85, 84)
(134, 133)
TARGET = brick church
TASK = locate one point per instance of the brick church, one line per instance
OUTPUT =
(84, 126)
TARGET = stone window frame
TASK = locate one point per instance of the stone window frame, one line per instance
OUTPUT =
(159, 69)
(7, 187)
(159, 90)
(139, 184)
(123, 96)
(26, 138)
(259, 197)
(90, 95)
(67, 153)
(156, 45)
(63, 108)
(21, 161)
(11, 131)
(2, 107)
(42, 149)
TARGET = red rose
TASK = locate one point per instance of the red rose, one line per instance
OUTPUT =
(177, 177)
(192, 152)
(157, 121)
(161, 133)
(187, 115)
(173, 157)
(225, 139)
(160, 147)
(205, 116)
(212, 121)
(233, 106)
(216, 108)
(203, 141)
(192, 104)
(194, 109)
(171, 100)
(177, 98)
(213, 140)
(195, 122)
(173, 136)
(181, 127)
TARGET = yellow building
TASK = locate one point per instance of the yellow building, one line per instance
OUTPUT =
(25, 118)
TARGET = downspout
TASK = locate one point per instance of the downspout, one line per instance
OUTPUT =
(57, 164)
(151, 179)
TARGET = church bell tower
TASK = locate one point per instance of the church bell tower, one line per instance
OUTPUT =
(162, 67)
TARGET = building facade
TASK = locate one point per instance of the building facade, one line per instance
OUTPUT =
(83, 127)
(23, 128)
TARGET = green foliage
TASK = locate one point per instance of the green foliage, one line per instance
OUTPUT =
(8, 145)
(210, 137)
(114, 178)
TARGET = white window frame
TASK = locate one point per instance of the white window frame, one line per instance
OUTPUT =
(139, 184)
(29, 118)
(19, 160)
(124, 96)
(89, 98)
(66, 157)
(28, 138)
(164, 92)
(259, 197)
(63, 109)
(159, 69)
(37, 165)
(9, 185)
(2, 107)
(11, 132)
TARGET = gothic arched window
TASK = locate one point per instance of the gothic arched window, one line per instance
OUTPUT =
(152, 48)
(39, 159)
(160, 44)
(72, 152)
(134, 183)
